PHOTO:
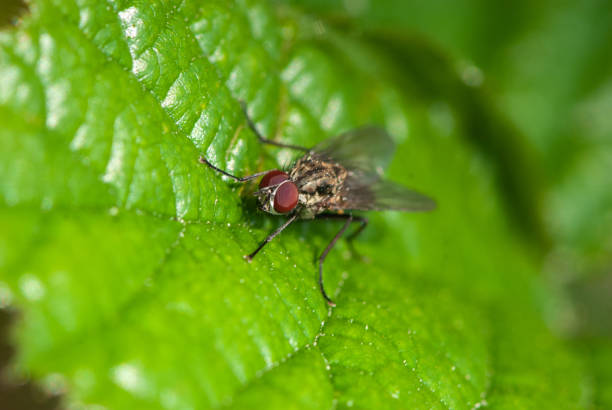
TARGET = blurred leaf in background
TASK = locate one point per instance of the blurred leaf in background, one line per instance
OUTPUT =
(122, 254)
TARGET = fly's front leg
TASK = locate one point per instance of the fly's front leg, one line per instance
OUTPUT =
(261, 138)
(203, 160)
(281, 228)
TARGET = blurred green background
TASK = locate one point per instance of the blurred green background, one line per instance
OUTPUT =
(530, 82)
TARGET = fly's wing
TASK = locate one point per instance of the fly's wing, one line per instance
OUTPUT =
(368, 149)
(365, 152)
(367, 192)
(391, 196)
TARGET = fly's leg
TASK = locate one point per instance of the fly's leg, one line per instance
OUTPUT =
(348, 218)
(281, 228)
(349, 239)
(362, 220)
(265, 140)
(227, 174)
(364, 223)
(250, 256)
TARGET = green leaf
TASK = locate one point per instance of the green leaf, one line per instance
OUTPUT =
(123, 254)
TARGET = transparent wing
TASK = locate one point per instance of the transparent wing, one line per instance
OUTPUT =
(367, 192)
(365, 152)
(368, 149)
(391, 196)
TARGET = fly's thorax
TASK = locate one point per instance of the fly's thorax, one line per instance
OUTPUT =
(319, 182)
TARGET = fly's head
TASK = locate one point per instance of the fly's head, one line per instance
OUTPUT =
(277, 194)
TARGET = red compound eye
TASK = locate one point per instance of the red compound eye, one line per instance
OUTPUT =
(274, 177)
(286, 198)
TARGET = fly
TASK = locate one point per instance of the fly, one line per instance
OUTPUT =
(337, 176)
